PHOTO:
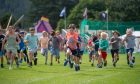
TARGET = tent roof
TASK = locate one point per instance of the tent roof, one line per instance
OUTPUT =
(43, 26)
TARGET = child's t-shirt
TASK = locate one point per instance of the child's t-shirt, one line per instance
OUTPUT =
(72, 40)
(103, 44)
(130, 42)
(21, 44)
(32, 41)
(55, 42)
(116, 42)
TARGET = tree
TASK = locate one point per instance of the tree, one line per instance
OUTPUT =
(76, 15)
(119, 10)
(124, 10)
(14, 7)
(50, 9)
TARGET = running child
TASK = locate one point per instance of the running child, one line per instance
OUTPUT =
(32, 43)
(72, 40)
(103, 45)
(22, 49)
(1, 51)
(55, 44)
(44, 40)
(90, 48)
(115, 44)
(129, 45)
(82, 48)
(11, 40)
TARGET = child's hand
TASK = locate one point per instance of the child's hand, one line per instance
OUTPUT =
(99, 52)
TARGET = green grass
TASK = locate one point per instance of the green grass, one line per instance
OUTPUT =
(58, 74)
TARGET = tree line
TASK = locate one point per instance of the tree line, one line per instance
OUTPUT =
(119, 10)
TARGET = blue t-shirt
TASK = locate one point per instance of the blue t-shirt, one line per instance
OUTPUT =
(32, 41)
(21, 44)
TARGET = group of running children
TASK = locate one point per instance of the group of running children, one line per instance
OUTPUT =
(14, 43)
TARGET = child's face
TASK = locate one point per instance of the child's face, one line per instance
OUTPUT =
(104, 36)
(11, 30)
(71, 30)
(45, 34)
(57, 33)
(115, 35)
(129, 32)
(32, 32)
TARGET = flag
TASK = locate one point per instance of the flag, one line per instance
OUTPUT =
(85, 13)
(63, 12)
(104, 15)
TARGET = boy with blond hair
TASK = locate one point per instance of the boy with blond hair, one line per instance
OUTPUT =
(103, 45)
(129, 45)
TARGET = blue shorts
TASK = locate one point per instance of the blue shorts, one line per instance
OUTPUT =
(1, 53)
(32, 50)
(91, 53)
(44, 51)
(131, 50)
(55, 52)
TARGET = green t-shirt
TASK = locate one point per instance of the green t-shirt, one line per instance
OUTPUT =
(103, 44)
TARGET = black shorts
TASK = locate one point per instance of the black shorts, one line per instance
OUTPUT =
(74, 52)
(113, 51)
(18, 51)
(24, 51)
(80, 53)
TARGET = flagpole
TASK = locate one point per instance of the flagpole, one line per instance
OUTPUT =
(65, 20)
(107, 19)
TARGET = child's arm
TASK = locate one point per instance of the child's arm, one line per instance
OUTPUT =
(111, 41)
(40, 42)
(26, 39)
(3, 42)
(37, 41)
(18, 39)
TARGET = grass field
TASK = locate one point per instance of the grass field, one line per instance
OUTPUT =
(58, 74)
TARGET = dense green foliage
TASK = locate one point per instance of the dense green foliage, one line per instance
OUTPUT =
(119, 10)
(15, 7)
(34, 9)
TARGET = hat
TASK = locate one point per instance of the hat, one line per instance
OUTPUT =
(21, 32)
